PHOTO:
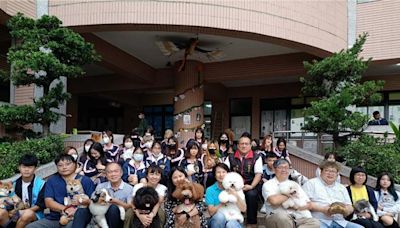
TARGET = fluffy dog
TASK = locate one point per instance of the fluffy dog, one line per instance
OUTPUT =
(296, 199)
(188, 194)
(145, 200)
(10, 201)
(230, 209)
(363, 206)
(100, 202)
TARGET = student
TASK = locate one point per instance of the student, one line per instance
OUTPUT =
(110, 149)
(281, 150)
(192, 163)
(388, 200)
(159, 159)
(134, 170)
(30, 189)
(56, 190)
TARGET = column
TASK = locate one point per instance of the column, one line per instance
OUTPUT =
(188, 100)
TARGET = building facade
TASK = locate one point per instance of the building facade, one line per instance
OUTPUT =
(243, 60)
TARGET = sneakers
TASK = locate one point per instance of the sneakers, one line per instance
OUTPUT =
(263, 209)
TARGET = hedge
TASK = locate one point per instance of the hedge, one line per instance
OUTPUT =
(374, 154)
(46, 149)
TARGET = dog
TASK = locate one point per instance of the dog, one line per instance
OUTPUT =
(188, 194)
(10, 202)
(361, 207)
(100, 202)
(230, 209)
(145, 199)
(75, 195)
(296, 199)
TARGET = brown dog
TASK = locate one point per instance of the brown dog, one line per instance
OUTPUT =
(188, 194)
(10, 201)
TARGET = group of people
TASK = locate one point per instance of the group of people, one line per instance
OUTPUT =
(142, 163)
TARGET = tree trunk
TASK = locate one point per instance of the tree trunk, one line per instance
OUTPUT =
(46, 129)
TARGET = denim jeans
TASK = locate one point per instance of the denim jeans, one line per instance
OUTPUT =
(218, 221)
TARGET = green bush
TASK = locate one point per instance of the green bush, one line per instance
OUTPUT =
(374, 154)
(46, 149)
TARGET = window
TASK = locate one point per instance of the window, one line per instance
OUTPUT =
(207, 119)
(160, 118)
(240, 113)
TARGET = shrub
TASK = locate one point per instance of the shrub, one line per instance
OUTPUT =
(46, 149)
(374, 154)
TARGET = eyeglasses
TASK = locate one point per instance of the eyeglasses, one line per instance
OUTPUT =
(282, 168)
(330, 171)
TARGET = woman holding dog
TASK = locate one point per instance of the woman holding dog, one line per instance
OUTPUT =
(213, 204)
(154, 174)
(358, 190)
(177, 176)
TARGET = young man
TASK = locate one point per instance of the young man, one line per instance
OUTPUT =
(56, 190)
(30, 189)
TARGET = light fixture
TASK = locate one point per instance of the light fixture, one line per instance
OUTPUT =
(209, 105)
(397, 64)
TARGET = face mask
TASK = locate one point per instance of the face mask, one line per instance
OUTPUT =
(75, 156)
(212, 151)
(128, 144)
(87, 148)
(138, 157)
(136, 142)
(172, 146)
(224, 141)
(106, 140)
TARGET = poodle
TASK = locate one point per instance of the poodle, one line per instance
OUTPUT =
(188, 194)
(230, 209)
(296, 198)
(144, 201)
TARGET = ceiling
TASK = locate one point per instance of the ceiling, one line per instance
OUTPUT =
(142, 45)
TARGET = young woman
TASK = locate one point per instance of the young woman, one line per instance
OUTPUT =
(173, 152)
(126, 152)
(158, 159)
(153, 176)
(280, 149)
(358, 190)
(192, 163)
(110, 148)
(85, 153)
(70, 150)
(267, 144)
(167, 135)
(218, 220)
(210, 159)
(224, 146)
(95, 166)
(388, 200)
(177, 175)
(134, 170)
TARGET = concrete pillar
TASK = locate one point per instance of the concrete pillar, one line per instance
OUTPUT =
(188, 100)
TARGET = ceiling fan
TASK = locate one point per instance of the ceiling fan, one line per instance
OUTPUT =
(169, 48)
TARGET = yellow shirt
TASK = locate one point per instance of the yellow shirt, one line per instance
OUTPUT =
(358, 193)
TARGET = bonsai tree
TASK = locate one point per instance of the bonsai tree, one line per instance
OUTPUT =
(43, 52)
(336, 82)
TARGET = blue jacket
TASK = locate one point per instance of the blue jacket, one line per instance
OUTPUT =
(36, 194)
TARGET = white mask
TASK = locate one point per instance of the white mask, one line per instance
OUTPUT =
(138, 157)
(148, 144)
(87, 148)
(128, 144)
(106, 140)
(75, 156)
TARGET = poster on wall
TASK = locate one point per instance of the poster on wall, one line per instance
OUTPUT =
(186, 119)
(240, 124)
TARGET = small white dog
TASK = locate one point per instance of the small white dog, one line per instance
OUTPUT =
(100, 202)
(296, 199)
(230, 209)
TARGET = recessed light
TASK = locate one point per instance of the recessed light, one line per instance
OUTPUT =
(397, 64)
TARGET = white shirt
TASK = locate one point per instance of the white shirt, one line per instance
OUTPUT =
(324, 195)
(160, 189)
(25, 193)
(270, 188)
